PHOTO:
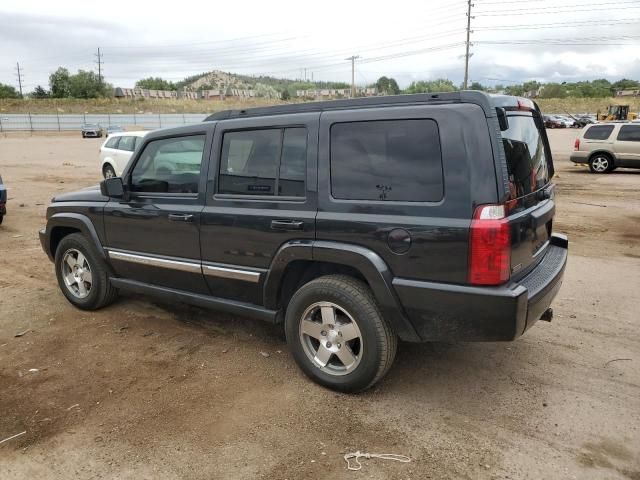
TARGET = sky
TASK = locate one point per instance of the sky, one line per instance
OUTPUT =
(511, 40)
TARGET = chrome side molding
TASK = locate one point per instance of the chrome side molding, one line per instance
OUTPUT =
(186, 266)
(190, 267)
(235, 274)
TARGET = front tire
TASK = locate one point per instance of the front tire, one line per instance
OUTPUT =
(82, 275)
(337, 334)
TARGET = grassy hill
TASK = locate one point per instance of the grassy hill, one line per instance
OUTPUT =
(114, 105)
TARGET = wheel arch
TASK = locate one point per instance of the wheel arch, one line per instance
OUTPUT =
(62, 224)
(109, 161)
(297, 263)
(608, 153)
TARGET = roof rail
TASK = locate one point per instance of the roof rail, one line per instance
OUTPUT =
(467, 96)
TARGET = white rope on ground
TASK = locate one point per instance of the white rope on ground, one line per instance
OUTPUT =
(384, 456)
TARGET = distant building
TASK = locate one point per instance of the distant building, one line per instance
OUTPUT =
(627, 93)
(322, 93)
(120, 92)
(217, 94)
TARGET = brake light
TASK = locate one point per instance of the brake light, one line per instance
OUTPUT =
(489, 246)
(576, 145)
(525, 104)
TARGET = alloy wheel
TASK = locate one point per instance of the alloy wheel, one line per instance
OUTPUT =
(331, 338)
(600, 164)
(76, 273)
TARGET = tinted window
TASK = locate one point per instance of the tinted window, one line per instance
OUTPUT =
(598, 132)
(393, 160)
(112, 142)
(527, 162)
(263, 162)
(171, 165)
(127, 143)
(629, 133)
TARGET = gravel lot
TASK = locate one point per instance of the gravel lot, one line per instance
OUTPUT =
(149, 390)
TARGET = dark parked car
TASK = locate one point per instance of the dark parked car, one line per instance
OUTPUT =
(91, 130)
(3, 200)
(554, 122)
(355, 223)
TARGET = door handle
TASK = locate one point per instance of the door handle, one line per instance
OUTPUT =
(287, 225)
(180, 217)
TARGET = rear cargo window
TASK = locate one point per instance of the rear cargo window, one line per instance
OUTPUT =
(392, 160)
(629, 133)
(527, 162)
(598, 132)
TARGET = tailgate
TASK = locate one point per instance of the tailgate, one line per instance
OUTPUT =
(531, 206)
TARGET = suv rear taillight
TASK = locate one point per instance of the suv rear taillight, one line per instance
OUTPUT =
(489, 246)
(576, 145)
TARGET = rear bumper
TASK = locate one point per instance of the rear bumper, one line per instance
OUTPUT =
(579, 157)
(445, 312)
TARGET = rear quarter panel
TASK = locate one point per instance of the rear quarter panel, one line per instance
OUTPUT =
(438, 230)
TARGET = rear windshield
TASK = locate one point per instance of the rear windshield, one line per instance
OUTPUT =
(527, 161)
(598, 132)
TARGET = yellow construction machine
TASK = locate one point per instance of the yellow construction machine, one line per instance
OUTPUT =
(617, 112)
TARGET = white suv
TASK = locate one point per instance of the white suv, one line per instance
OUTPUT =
(117, 150)
(607, 146)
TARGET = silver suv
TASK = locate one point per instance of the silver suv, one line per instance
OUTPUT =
(607, 146)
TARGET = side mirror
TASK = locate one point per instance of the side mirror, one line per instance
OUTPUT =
(112, 187)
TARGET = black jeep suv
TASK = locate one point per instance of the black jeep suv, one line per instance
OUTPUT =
(355, 222)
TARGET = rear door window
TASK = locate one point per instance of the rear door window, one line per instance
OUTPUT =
(264, 162)
(525, 151)
(127, 143)
(112, 142)
(388, 160)
(629, 133)
(598, 132)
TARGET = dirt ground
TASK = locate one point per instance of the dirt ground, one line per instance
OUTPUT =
(145, 390)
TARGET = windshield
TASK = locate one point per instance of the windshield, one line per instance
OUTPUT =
(524, 148)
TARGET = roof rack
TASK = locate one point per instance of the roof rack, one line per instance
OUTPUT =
(467, 96)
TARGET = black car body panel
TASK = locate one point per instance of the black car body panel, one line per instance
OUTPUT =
(247, 252)
(3, 198)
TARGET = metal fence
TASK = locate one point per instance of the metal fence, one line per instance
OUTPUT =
(65, 122)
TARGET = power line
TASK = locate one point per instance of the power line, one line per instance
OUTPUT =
(525, 2)
(510, 13)
(536, 26)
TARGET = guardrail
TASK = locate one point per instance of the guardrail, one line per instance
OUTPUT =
(28, 122)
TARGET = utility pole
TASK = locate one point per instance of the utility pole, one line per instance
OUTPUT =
(466, 56)
(353, 74)
(99, 62)
(20, 78)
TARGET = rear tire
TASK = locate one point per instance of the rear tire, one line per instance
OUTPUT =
(82, 275)
(600, 163)
(337, 334)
